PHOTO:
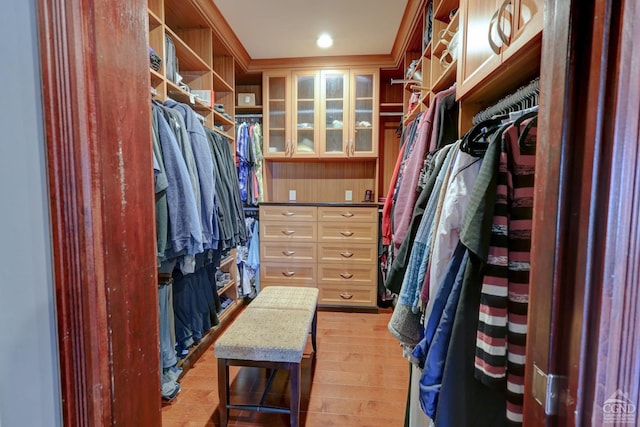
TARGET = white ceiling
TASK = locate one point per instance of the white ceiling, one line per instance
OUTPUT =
(289, 28)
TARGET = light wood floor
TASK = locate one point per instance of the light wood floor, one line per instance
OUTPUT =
(360, 379)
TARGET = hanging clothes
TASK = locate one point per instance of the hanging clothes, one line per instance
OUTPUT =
(248, 260)
(197, 193)
(407, 190)
(249, 160)
(206, 178)
(502, 326)
(461, 325)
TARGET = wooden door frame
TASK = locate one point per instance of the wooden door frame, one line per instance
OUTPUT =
(96, 104)
(584, 274)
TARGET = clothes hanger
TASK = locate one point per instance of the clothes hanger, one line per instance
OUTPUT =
(476, 140)
(527, 144)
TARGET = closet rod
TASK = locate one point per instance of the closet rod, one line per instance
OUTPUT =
(249, 116)
(391, 114)
(403, 81)
(526, 93)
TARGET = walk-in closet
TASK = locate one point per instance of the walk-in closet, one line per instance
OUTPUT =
(211, 218)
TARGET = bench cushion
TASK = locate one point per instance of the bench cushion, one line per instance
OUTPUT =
(287, 297)
(268, 334)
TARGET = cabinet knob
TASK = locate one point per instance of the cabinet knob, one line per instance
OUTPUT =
(288, 232)
(346, 275)
(346, 254)
(347, 233)
(346, 296)
(347, 214)
(288, 273)
(288, 253)
(288, 213)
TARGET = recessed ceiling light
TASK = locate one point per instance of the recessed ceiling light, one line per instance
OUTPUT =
(324, 41)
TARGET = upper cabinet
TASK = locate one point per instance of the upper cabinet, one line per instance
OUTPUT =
(305, 114)
(277, 114)
(321, 114)
(494, 31)
(349, 106)
(335, 110)
(363, 110)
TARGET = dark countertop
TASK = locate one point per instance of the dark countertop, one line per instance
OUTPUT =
(337, 204)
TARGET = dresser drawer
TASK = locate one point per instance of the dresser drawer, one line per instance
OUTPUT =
(342, 214)
(352, 273)
(354, 232)
(288, 213)
(283, 273)
(348, 295)
(287, 251)
(283, 231)
(347, 252)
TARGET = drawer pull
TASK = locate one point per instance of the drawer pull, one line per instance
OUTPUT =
(288, 273)
(288, 232)
(346, 296)
(288, 253)
(346, 254)
(288, 213)
(346, 275)
(347, 214)
(347, 233)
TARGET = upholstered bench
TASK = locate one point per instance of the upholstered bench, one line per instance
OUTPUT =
(270, 333)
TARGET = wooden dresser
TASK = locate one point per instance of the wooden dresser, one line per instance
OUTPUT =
(332, 246)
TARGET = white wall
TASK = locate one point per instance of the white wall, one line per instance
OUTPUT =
(29, 370)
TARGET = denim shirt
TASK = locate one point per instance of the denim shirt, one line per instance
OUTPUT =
(185, 233)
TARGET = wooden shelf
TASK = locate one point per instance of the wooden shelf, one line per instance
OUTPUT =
(154, 20)
(222, 316)
(156, 77)
(226, 135)
(188, 60)
(203, 345)
(447, 78)
(178, 94)
(220, 84)
(390, 107)
(226, 261)
(441, 9)
(226, 287)
(219, 118)
(452, 27)
(249, 108)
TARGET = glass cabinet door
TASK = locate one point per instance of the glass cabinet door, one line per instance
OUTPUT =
(277, 139)
(305, 114)
(363, 141)
(334, 118)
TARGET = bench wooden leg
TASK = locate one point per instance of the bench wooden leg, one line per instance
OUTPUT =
(314, 328)
(223, 390)
(294, 376)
